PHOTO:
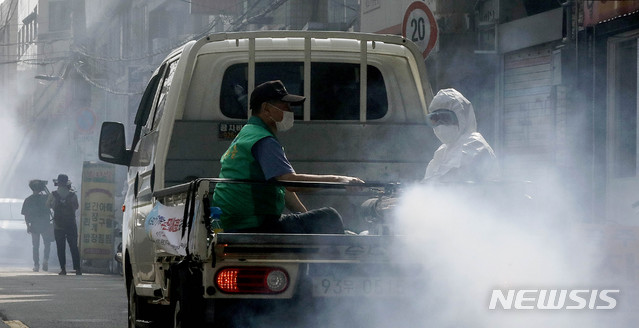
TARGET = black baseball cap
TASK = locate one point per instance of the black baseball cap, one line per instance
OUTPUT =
(273, 90)
(62, 179)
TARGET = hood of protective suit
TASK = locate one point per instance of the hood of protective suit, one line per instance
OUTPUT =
(454, 101)
(458, 152)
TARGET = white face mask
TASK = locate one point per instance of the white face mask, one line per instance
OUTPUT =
(286, 122)
(447, 134)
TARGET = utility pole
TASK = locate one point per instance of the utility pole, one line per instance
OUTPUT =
(81, 96)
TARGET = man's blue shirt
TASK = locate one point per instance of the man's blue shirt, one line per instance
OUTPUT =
(269, 153)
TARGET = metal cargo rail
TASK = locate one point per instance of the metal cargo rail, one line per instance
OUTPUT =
(303, 248)
(364, 38)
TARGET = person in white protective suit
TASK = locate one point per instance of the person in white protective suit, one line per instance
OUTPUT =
(464, 154)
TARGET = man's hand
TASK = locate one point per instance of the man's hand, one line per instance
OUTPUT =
(351, 180)
(28, 228)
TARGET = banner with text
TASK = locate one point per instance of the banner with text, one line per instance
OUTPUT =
(97, 211)
(164, 226)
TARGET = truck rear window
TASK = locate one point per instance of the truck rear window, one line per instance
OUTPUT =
(334, 89)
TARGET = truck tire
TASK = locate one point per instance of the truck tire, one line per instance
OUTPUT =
(187, 303)
(136, 308)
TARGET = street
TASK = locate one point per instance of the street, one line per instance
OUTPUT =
(45, 299)
(319, 163)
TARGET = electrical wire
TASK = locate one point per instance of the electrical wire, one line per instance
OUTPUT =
(80, 50)
(35, 42)
(10, 13)
(85, 76)
(36, 62)
(244, 14)
(243, 23)
(162, 51)
(236, 25)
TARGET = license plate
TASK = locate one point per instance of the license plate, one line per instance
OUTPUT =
(357, 286)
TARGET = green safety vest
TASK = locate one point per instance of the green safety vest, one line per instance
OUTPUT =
(246, 205)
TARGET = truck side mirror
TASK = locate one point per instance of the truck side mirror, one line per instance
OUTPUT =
(112, 147)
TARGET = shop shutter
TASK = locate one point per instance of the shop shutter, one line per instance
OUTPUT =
(530, 113)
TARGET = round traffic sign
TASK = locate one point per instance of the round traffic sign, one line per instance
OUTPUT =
(85, 120)
(419, 26)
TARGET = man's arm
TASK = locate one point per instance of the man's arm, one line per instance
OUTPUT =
(25, 209)
(26, 212)
(316, 178)
(275, 165)
(293, 203)
(50, 201)
(75, 203)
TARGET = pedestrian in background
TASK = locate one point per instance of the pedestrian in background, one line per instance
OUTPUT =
(64, 203)
(38, 218)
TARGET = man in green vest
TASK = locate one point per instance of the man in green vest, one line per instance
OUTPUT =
(257, 155)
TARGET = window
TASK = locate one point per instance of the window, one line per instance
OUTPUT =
(334, 89)
(150, 117)
(624, 94)
(27, 32)
(154, 119)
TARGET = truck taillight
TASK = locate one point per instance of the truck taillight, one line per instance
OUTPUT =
(255, 280)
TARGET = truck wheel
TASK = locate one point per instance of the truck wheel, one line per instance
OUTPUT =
(186, 302)
(134, 306)
(187, 312)
(139, 312)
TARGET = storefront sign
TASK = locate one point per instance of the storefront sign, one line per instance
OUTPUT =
(97, 211)
(597, 11)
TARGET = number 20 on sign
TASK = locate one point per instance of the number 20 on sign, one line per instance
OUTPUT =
(419, 26)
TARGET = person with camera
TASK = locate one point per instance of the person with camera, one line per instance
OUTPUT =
(64, 203)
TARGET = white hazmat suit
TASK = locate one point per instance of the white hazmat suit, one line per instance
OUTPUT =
(464, 154)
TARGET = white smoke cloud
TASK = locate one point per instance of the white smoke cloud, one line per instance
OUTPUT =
(473, 239)
(12, 138)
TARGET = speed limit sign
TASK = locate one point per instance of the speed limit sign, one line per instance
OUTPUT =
(420, 26)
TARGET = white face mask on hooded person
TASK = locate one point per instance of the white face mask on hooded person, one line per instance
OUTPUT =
(447, 134)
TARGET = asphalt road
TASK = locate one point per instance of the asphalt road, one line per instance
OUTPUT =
(47, 300)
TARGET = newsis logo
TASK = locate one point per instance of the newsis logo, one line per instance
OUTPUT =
(553, 299)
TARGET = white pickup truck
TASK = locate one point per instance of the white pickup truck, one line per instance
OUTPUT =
(193, 107)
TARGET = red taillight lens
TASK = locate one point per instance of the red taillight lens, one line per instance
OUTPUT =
(255, 280)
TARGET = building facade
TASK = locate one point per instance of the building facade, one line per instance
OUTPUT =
(606, 53)
(68, 65)
(554, 87)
